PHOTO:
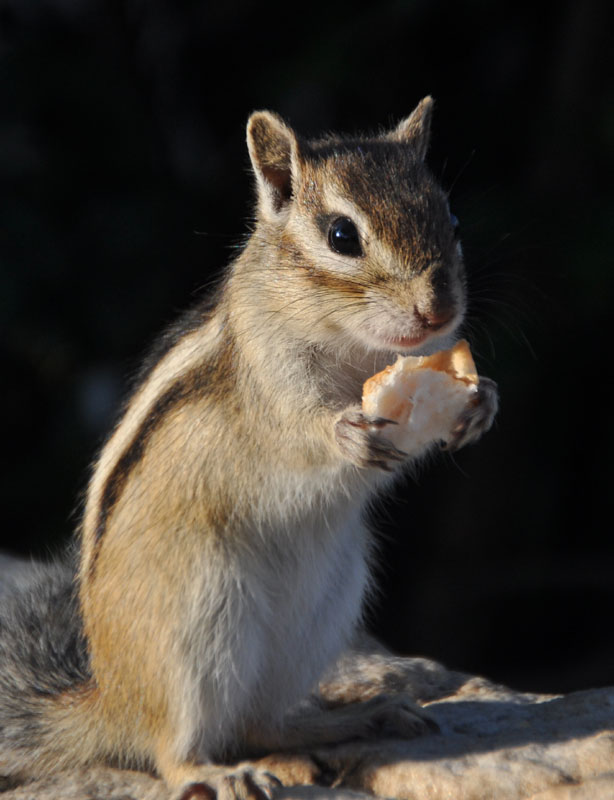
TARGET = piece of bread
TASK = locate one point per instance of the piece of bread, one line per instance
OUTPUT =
(424, 394)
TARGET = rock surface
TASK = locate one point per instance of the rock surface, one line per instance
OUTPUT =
(494, 744)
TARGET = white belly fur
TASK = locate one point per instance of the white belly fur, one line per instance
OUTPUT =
(285, 615)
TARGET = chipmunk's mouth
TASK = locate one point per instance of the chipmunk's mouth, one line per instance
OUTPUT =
(427, 340)
(405, 342)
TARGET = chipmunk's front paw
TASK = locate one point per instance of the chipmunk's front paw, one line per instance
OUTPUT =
(477, 418)
(360, 441)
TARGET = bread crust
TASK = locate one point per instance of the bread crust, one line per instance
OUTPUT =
(392, 392)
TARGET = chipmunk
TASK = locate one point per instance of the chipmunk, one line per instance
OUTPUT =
(224, 560)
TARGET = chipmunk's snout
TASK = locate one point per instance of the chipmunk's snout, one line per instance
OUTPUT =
(438, 298)
(427, 305)
(434, 320)
(412, 328)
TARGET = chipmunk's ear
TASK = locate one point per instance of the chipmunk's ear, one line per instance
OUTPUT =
(416, 128)
(274, 151)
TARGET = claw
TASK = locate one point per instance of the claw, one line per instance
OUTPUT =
(262, 791)
(359, 438)
(389, 451)
(378, 422)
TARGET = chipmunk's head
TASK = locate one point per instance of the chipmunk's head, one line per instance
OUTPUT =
(364, 238)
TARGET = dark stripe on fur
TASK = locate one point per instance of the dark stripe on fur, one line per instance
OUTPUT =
(329, 280)
(173, 397)
(188, 322)
(190, 387)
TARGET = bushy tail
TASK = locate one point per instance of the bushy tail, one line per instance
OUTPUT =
(46, 689)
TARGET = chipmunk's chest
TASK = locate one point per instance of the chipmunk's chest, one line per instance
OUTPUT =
(288, 609)
(309, 605)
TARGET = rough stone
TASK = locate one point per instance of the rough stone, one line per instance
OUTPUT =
(494, 743)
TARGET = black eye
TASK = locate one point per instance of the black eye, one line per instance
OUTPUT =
(343, 237)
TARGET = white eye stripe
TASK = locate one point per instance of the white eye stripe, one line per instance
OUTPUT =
(339, 206)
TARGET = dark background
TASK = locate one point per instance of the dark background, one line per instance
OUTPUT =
(124, 190)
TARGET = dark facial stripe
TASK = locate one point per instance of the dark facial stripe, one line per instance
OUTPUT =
(322, 278)
(329, 280)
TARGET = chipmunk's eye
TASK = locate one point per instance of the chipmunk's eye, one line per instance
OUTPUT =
(343, 237)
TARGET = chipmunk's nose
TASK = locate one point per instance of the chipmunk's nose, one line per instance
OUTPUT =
(434, 319)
